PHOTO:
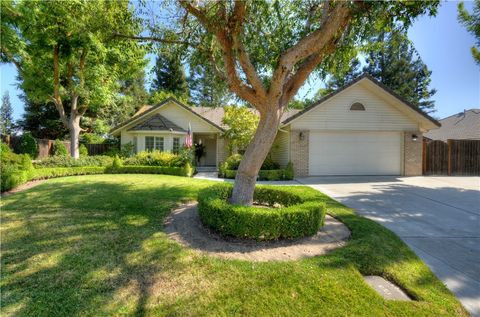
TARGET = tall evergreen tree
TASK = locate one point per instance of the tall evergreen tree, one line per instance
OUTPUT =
(6, 115)
(392, 60)
(169, 75)
(205, 89)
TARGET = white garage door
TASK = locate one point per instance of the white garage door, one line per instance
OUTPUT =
(355, 153)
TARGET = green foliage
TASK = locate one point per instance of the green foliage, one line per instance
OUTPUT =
(188, 170)
(6, 115)
(15, 169)
(59, 148)
(169, 75)
(289, 215)
(165, 170)
(472, 22)
(117, 162)
(82, 149)
(392, 60)
(28, 145)
(92, 138)
(127, 150)
(263, 175)
(52, 172)
(67, 161)
(269, 164)
(241, 125)
(289, 172)
(155, 158)
(159, 96)
(205, 89)
(233, 162)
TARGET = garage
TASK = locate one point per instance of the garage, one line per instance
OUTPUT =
(355, 153)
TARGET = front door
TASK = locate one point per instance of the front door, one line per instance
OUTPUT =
(209, 143)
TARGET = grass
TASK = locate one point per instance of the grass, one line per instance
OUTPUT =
(94, 246)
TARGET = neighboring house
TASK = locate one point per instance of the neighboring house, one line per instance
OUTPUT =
(362, 129)
(462, 126)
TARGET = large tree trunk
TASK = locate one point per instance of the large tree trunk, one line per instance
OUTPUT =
(254, 156)
(74, 127)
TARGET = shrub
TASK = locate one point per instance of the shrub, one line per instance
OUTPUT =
(188, 170)
(289, 173)
(126, 150)
(232, 162)
(28, 145)
(155, 158)
(83, 150)
(263, 175)
(167, 170)
(15, 169)
(64, 161)
(117, 162)
(91, 138)
(59, 149)
(269, 164)
(44, 173)
(296, 216)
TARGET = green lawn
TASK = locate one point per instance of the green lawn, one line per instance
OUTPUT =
(94, 246)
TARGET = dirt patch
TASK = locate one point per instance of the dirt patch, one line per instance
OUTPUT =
(184, 226)
(23, 187)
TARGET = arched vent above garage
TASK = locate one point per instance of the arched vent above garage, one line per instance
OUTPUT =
(357, 106)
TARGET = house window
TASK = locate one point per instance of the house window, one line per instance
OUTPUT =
(176, 145)
(154, 143)
(356, 106)
(135, 141)
(159, 143)
(149, 143)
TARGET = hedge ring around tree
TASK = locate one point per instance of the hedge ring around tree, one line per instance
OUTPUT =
(277, 213)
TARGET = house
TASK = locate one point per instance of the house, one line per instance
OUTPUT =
(362, 129)
(462, 126)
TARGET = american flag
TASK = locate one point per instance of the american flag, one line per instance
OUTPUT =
(189, 139)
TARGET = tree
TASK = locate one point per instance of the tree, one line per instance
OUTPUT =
(66, 54)
(266, 50)
(206, 89)
(472, 23)
(169, 75)
(6, 115)
(392, 60)
(241, 124)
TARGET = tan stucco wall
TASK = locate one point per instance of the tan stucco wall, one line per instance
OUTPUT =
(221, 149)
(299, 152)
(412, 154)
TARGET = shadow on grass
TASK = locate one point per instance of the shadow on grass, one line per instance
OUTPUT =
(66, 244)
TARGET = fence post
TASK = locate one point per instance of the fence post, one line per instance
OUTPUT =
(449, 143)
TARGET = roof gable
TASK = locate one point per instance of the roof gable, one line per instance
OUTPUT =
(407, 107)
(157, 122)
(464, 125)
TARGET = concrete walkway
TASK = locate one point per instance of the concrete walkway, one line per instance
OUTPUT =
(438, 217)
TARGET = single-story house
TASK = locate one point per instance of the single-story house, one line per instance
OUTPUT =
(361, 129)
(461, 126)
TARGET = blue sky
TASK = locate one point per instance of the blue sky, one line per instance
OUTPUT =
(442, 42)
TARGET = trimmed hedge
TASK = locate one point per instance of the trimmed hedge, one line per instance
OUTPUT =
(297, 216)
(44, 173)
(67, 161)
(263, 175)
(15, 169)
(177, 171)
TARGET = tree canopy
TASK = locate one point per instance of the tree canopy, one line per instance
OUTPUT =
(169, 75)
(241, 124)
(65, 55)
(6, 115)
(391, 59)
(472, 23)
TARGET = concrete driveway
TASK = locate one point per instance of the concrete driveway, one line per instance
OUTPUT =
(438, 217)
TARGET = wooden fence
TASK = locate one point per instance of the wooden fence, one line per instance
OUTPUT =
(99, 149)
(454, 157)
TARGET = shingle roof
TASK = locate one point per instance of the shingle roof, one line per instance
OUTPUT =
(461, 126)
(157, 122)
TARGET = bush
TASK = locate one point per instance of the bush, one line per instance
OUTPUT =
(233, 162)
(188, 170)
(289, 173)
(117, 162)
(166, 170)
(15, 169)
(59, 149)
(295, 216)
(269, 164)
(83, 150)
(44, 173)
(64, 161)
(126, 150)
(28, 145)
(263, 175)
(155, 158)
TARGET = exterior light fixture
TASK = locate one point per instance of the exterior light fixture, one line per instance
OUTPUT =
(414, 137)
(301, 136)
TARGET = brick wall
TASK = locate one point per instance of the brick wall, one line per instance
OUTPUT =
(412, 154)
(299, 152)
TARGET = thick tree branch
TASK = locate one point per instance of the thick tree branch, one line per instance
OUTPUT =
(11, 58)
(312, 44)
